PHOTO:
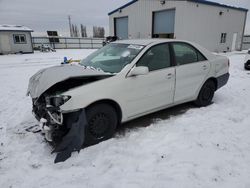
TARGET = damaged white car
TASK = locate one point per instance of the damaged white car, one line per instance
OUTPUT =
(83, 104)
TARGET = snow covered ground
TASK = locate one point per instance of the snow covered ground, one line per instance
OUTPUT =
(182, 147)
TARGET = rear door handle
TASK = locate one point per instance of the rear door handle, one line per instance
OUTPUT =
(204, 67)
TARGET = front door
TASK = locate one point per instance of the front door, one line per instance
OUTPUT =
(154, 90)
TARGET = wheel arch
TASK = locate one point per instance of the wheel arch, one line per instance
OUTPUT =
(112, 103)
(214, 80)
(210, 78)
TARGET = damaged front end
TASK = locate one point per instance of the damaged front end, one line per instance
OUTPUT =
(65, 131)
(47, 112)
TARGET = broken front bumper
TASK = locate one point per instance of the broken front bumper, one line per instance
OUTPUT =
(66, 132)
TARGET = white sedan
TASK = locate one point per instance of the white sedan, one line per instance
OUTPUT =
(83, 104)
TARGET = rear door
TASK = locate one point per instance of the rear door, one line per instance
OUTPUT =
(154, 90)
(191, 70)
(121, 27)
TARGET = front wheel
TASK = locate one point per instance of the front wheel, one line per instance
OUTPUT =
(102, 122)
(206, 94)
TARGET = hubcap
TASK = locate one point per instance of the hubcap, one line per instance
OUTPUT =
(99, 125)
(207, 94)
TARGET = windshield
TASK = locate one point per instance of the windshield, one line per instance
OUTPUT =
(112, 58)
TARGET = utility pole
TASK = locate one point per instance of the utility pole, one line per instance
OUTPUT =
(70, 26)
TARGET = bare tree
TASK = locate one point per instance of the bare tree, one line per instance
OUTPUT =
(83, 31)
(98, 32)
(102, 32)
(75, 31)
(70, 26)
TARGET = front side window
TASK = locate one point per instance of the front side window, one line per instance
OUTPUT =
(158, 57)
(113, 57)
(185, 54)
(19, 38)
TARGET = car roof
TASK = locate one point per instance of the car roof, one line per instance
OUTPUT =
(146, 42)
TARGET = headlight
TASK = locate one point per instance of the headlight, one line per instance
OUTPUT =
(57, 100)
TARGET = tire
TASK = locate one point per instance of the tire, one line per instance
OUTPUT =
(247, 65)
(206, 94)
(102, 122)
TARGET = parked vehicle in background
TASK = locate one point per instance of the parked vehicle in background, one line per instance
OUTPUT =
(110, 39)
(83, 104)
(247, 60)
(46, 48)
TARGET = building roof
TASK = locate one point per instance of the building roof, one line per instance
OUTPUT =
(124, 6)
(194, 1)
(217, 4)
(14, 28)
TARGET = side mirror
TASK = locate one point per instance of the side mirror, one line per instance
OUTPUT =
(136, 71)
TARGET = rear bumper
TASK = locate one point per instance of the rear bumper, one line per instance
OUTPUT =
(222, 80)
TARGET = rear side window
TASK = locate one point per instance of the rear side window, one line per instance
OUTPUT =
(201, 57)
(156, 58)
(186, 54)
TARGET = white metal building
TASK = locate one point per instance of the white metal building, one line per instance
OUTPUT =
(215, 26)
(15, 39)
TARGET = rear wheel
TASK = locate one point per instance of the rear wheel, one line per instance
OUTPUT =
(206, 94)
(102, 122)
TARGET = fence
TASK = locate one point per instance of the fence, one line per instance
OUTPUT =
(68, 43)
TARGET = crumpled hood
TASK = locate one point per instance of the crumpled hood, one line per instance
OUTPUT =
(45, 78)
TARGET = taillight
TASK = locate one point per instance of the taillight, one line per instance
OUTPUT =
(228, 63)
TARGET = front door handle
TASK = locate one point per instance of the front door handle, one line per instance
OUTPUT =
(169, 76)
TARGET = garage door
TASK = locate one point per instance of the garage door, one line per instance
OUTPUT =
(121, 27)
(164, 24)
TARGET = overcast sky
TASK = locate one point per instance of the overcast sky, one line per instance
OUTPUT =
(43, 15)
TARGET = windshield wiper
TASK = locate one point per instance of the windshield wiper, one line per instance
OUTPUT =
(93, 68)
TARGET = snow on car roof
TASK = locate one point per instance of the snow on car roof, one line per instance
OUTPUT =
(14, 28)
